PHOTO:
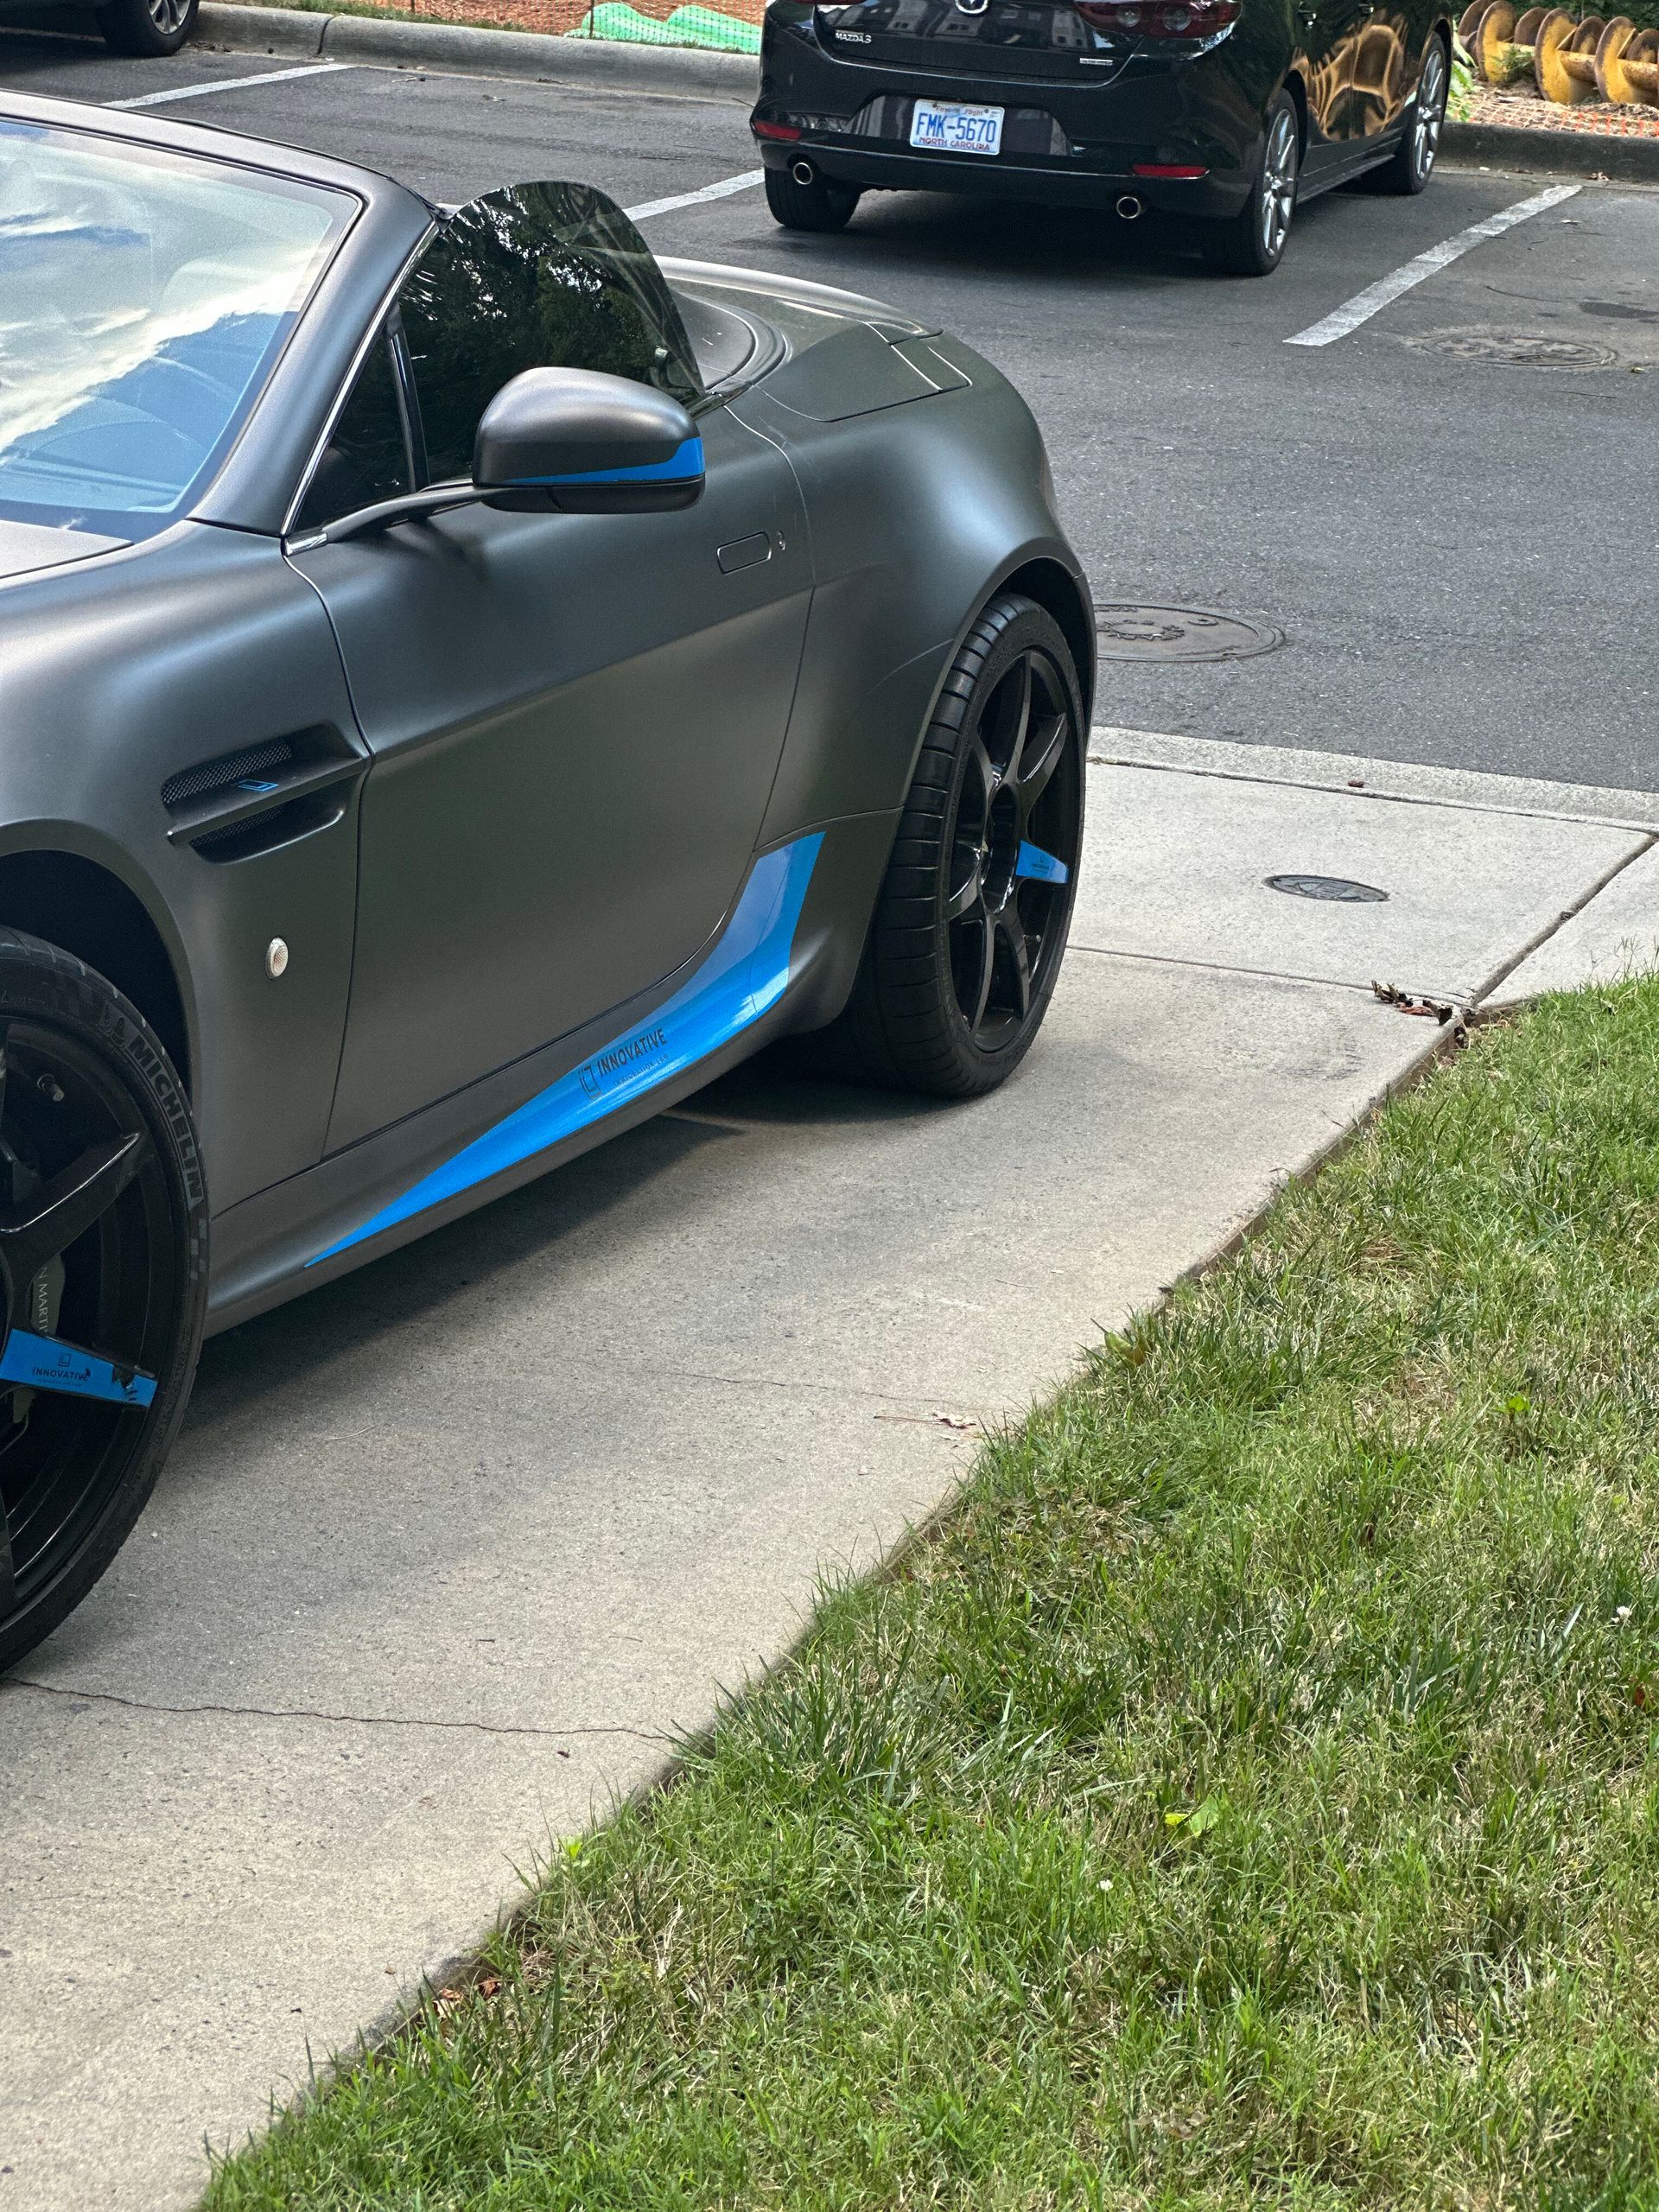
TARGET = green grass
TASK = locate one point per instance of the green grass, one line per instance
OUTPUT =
(1250, 1797)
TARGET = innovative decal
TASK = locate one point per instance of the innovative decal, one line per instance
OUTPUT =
(1039, 866)
(596, 1073)
(746, 973)
(48, 1363)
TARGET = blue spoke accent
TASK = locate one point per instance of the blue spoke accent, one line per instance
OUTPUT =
(746, 973)
(1040, 867)
(48, 1363)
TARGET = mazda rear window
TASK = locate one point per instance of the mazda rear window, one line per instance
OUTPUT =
(144, 297)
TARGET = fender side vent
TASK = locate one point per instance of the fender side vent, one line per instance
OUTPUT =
(276, 827)
(264, 796)
(229, 768)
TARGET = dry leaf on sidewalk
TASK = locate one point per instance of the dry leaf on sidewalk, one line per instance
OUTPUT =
(1427, 1009)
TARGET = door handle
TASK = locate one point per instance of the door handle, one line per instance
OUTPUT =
(745, 552)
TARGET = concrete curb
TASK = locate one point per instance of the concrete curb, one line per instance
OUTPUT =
(601, 64)
(1552, 153)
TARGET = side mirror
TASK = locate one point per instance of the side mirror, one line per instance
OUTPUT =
(582, 442)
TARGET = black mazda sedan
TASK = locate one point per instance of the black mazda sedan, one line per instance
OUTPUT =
(1228, 110)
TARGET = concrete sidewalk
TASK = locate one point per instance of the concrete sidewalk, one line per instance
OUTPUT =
(449, 1551)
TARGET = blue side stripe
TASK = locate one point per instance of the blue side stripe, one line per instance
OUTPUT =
(1040, 867)
(682, 466)
(746, 973)
(48, 1363)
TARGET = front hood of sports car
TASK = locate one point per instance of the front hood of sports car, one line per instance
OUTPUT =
(26, 547)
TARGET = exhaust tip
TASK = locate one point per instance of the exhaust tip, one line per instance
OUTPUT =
(1130, 205)
(803, 172)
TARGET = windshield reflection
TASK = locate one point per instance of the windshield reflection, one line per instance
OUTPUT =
(143, 298)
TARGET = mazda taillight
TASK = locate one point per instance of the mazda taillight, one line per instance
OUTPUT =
(1159, 18)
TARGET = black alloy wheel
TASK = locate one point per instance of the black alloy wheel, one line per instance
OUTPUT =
(103, 1272)
(818, 204)
(1252, 243)
(147, 28)
(969, 933)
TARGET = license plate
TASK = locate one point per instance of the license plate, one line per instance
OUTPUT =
(942, 127)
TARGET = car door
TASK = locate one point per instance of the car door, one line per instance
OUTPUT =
(1382, 80)
(575, 719)
(1330, 33)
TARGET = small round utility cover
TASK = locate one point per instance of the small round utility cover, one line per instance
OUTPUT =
(1179, 633)
(1522, 350)
(1340, 887)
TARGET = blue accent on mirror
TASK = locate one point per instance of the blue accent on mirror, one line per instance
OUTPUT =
(745, 975)
(1040, 867)
(48, 1363)
(683, 466)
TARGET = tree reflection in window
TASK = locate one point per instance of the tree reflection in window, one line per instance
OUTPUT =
(537, 275)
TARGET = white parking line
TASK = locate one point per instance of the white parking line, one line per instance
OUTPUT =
(231, 83)
(1365, 304)
(723, 190)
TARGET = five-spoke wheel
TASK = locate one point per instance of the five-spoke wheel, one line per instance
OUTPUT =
(103, 1241)
(968, 933)
(1007, 886)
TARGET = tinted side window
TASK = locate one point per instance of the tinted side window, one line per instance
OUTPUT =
(368, 458)
(541, 276)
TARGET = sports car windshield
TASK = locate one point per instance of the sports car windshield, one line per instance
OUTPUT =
(143, 298)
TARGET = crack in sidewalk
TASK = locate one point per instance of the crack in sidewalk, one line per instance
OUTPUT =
(338, 1720)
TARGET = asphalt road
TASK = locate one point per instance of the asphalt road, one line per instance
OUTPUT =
(1460, 554)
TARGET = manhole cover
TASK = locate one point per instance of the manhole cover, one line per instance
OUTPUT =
(1516, 352)
(1340, 887)
(1179, 633)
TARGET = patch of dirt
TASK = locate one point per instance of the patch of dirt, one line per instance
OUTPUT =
(1529, 110)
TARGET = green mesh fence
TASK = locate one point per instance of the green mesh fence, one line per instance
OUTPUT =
(688, 25)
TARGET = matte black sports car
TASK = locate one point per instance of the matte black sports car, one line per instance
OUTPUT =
(1228, 110)
(463, 685)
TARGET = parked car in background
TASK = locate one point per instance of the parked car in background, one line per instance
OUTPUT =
(1230, 110)
(466, 685)
(138, 27)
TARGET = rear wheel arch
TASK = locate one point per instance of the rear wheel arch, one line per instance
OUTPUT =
(83, 908)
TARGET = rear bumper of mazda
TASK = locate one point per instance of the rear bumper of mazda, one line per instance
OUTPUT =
(1069, 143)
(879, 169)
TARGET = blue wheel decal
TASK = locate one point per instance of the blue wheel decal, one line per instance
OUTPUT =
(48, 1363)
(1040, 867)
(745, 975)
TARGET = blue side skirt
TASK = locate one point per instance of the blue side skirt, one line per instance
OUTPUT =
(746, 973)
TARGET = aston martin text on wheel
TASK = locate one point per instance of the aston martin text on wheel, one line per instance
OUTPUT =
(464, 684)
(1228, 111)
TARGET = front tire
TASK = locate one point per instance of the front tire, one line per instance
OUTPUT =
(1252, 243)
(147, 28)
(1412, 164)
(965, 946)
(104, 1271)
(820, 205)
